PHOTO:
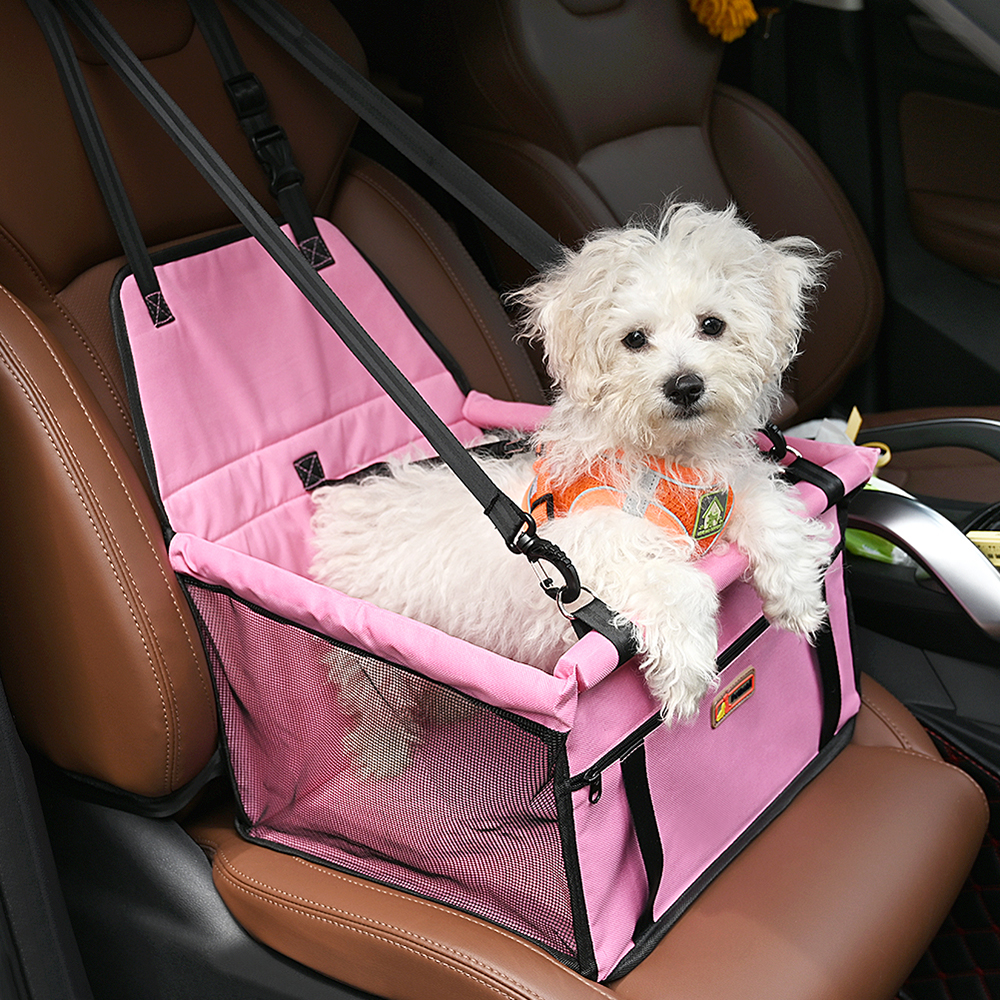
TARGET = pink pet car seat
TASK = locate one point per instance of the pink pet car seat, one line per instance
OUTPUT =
(555, 805)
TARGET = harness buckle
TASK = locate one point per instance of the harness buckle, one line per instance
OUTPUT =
(779, 447)
(271, 148)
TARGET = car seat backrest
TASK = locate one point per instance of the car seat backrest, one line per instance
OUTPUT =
(100, 655)
(589, 112)
(592, 84)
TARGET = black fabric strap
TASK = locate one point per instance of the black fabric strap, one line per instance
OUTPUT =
(802, 470)
(826, 654)
(515, 526)
(598, 617)
(636, 781)
(829, 678)
(101, 161)
(508, 517)
(268, 141)
(518, 230)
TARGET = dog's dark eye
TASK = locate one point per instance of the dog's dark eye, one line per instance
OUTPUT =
(712, 326)
(634, 340)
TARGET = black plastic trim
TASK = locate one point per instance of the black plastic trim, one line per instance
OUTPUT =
(89, 789)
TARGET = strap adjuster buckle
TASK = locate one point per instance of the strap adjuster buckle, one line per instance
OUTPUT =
(246, 94)
(273, 151)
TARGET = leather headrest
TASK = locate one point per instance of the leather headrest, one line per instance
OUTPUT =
(571, 75)
(154, 29)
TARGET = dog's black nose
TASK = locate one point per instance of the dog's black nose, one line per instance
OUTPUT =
(684, 390)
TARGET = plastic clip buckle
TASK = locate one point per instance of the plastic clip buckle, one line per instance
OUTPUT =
(537, 549)
(274, 153)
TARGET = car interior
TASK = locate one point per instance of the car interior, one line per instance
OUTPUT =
(867, 127)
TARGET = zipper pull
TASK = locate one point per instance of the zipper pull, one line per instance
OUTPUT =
(593, 779)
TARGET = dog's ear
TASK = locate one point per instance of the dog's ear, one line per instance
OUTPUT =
(795, 273)
(565, 310)
(543, 308)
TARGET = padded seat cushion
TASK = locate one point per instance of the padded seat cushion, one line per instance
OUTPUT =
(838, 897)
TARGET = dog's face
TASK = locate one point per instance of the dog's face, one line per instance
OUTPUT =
(663, 339)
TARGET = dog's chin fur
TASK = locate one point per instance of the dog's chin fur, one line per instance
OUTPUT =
(417, 543)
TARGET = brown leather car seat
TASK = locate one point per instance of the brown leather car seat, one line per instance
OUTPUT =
(586, 112)
(101, 660)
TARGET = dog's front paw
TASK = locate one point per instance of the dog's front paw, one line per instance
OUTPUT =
(679, 668)
(791, 588)
(800, 612)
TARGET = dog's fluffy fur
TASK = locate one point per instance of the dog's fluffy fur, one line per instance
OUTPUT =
(417, 543)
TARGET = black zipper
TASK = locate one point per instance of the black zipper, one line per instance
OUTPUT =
(592, 776)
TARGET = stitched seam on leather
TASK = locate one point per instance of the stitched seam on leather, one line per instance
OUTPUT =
(787, 135)
(74, 326)
(111, 563)
(210, 845)
(894, 729)
(425, 903)
(520, 69)
(103, 537)
(192, 646)
(442, 260)
(121, 409)
(367, 931)
(498, 357)
(580, 209)
(230, 869)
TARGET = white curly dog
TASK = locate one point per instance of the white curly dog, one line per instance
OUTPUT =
(666, 345)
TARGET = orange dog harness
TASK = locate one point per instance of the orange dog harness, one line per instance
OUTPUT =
(671, 496)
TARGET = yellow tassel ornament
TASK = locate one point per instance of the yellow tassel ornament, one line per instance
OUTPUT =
(726, 19)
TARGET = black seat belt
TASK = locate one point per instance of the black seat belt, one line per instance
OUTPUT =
(103, 164)
(518, 230)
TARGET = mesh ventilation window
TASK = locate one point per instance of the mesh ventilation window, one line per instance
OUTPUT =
(377, 770)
